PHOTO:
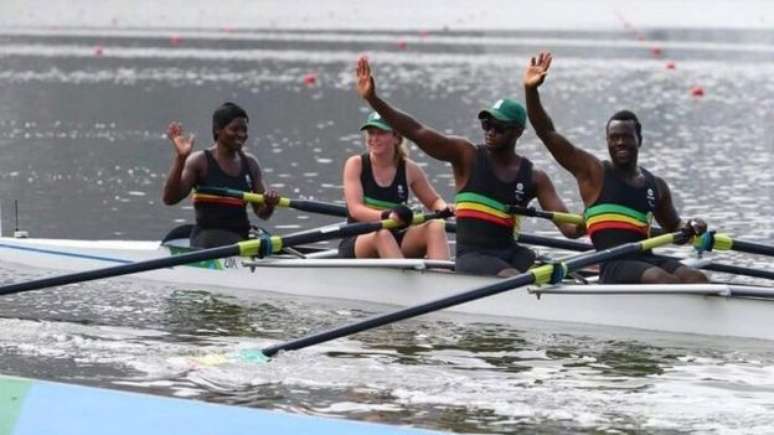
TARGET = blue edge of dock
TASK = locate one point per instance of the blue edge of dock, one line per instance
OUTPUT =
(33, 407)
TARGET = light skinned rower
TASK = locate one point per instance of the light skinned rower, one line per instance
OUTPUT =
(377, 184)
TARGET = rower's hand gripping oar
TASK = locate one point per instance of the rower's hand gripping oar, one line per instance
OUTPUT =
(253, 247)
(549, 273)
(257, 198)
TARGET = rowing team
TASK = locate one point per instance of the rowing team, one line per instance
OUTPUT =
(620, 197)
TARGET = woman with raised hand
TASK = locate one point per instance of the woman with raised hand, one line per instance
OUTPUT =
(219, 220)
(376, 186)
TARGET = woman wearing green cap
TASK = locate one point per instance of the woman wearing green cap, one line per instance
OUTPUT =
(376, 187)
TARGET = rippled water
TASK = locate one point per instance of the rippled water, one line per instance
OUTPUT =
(82, 113)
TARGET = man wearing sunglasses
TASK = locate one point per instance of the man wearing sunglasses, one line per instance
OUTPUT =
(621, 197)
(488, 178)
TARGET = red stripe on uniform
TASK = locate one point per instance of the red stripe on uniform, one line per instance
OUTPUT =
(617, 226)
(471, 214)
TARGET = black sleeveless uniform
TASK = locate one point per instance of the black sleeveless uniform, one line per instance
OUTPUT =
(623, 213)
(485, 228)
(379, 198)
(220, 220)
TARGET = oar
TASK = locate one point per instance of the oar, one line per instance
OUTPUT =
(257, 198)
(723, 242)
(572, 245)
(264, 246)
(540, 275)
(555, 216)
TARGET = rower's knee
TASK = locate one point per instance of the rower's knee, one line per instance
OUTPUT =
(691, 276)
(657, 275)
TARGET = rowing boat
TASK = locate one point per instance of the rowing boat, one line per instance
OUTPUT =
(711, 309)
(34, 407)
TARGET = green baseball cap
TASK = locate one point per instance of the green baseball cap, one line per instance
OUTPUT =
(506, 110)
(375, 120)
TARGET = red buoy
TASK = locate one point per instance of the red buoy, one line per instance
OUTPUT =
(655, 51)
(310, 79)
(402, 45)
(98, 51)
(670, 65)
(175, 39)
(697, 91)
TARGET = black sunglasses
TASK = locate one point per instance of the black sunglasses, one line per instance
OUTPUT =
(498, 127)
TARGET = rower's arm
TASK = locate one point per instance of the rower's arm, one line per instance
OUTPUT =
(422, 188)
(453, 149)
(666, 215)
(182, 177)
(586, 168)
(353, 192)
(550, 201)
(265, 210)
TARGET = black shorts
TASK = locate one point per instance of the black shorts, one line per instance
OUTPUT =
(347, 245)
(211, 238)
(493, 261)
(629, 271)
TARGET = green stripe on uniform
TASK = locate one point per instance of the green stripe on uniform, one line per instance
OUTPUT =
(480, 199)
(613, 208)
(12, 392)
(375, 203)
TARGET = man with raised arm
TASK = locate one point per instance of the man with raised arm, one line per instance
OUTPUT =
(621, 197)
(488, 179)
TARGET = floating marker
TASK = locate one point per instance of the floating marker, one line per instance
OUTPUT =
(98, 51)
(655, 51)
(670, 65)
(697, 91)
(310, 79)
(402, 45)
(175, 39)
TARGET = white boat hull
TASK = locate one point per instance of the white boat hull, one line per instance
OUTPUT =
(696, 309)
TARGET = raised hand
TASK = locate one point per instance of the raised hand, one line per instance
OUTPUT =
(183, 144)
(537, 70)
(364, 82)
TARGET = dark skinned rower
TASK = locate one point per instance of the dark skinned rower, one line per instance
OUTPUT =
(219, 220)
(621, 197)
(488, 178)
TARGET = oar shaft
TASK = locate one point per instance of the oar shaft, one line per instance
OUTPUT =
(257, 198)
(417, 310)
(555, 216)
(123, 269)
(540, 275)
(751, 248)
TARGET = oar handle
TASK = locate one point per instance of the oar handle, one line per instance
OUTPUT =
(555, 216)
(258, 198)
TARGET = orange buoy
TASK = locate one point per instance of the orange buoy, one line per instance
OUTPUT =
(697, 91)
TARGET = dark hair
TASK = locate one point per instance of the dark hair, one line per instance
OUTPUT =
(224, 114)
(626, 115)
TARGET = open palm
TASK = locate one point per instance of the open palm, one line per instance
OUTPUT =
(536, 71)
(183, 143)
(364, 83)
